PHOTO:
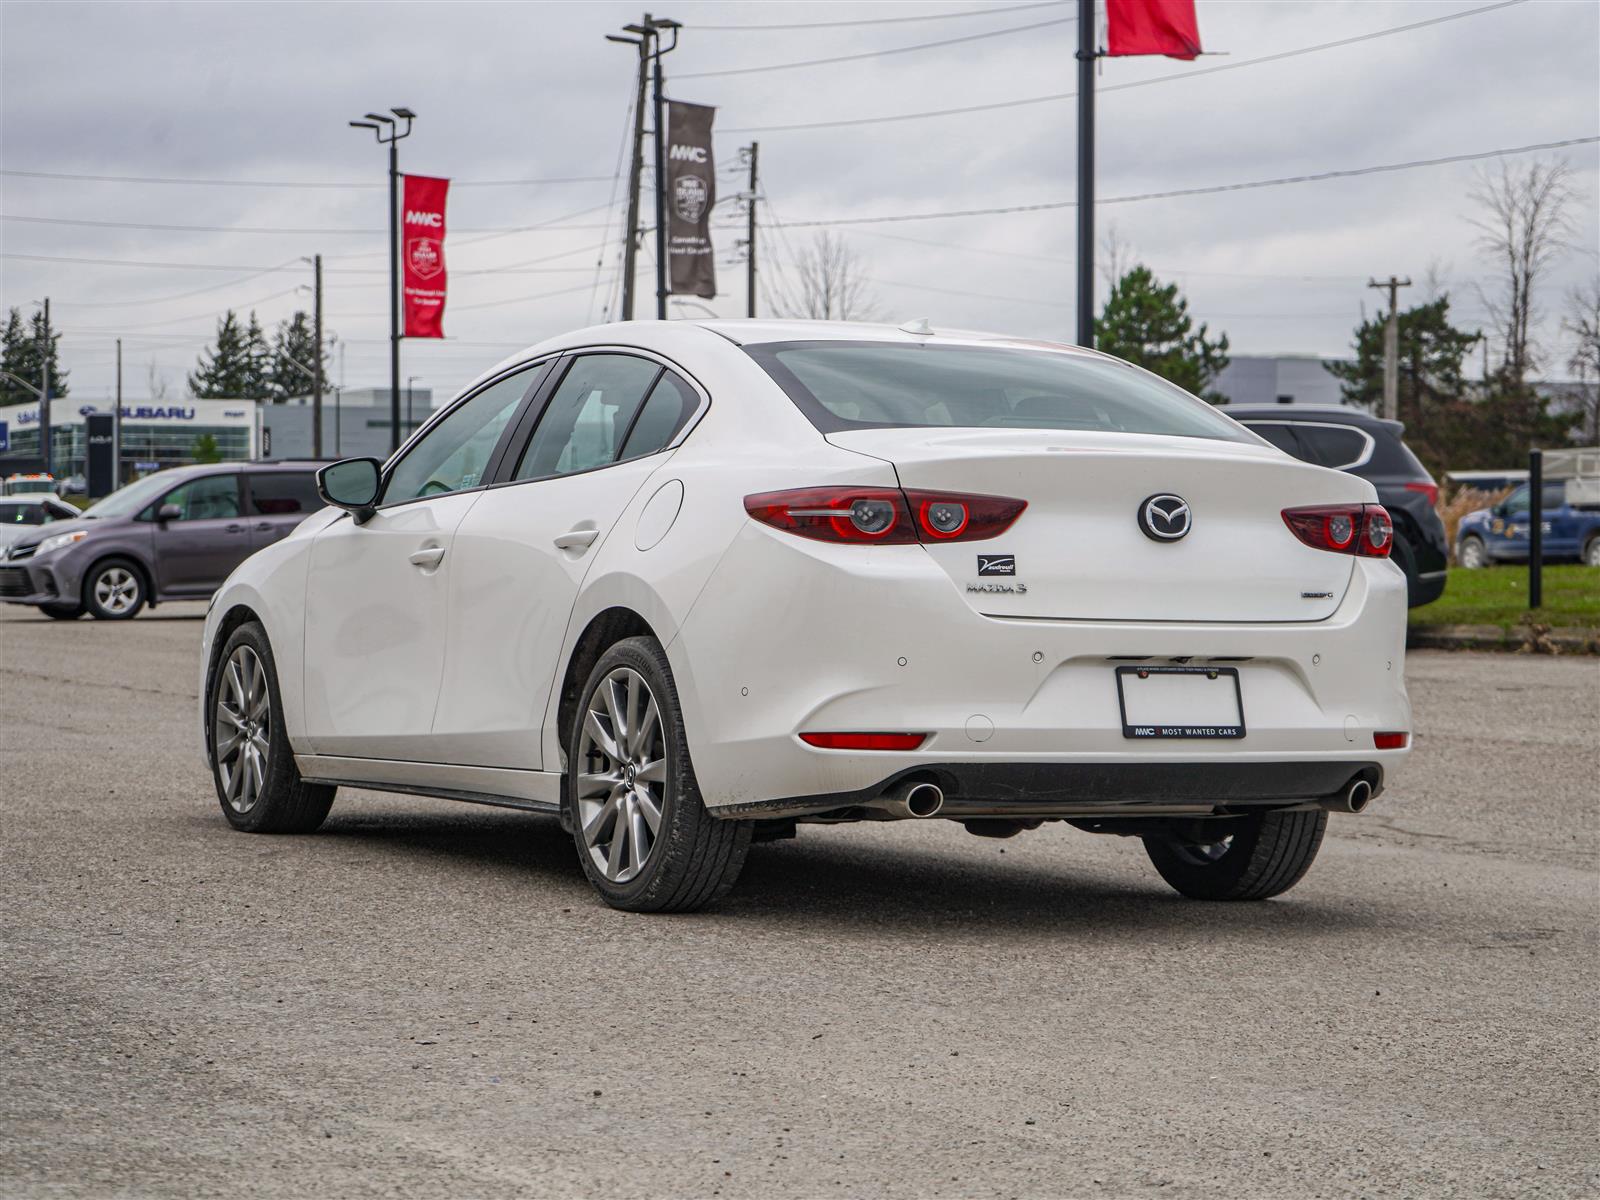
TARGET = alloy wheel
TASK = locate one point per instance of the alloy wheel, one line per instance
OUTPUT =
(116, 589)
(620, 778)
(242, 729)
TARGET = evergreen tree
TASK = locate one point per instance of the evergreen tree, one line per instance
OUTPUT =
(25, 344)
(205, 449)
(1149, 325)
(294, 357)
(1435, 399)
(238, 366)
(1451, 423)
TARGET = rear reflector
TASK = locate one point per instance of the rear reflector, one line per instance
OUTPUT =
(1390, 741)
(864, 741)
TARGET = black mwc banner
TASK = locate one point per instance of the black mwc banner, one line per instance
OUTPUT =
(691, 191)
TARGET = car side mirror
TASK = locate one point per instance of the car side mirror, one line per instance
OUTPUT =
(352, 485)
(168, 512)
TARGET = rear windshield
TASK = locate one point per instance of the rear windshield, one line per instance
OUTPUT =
(22, 514)
(874, 385)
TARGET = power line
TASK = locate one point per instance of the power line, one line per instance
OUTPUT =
(150, 301)
(1202, 191)
(971, 12)
(280, 229)
(819, 62)
(340, 185)
(1067, 258)
(1120, 87)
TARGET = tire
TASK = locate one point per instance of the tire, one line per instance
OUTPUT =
(1266, 855)
(114, 590)
(689, 858)
(62, 612)
(1472, 553)
(1591, 552)
(258, 785)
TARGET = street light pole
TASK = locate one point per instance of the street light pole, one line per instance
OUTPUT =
(45, 439)
(389, 133)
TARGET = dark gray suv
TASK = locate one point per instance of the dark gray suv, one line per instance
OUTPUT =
(174, 535)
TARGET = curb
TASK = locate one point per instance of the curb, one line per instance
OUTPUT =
(1520, 639)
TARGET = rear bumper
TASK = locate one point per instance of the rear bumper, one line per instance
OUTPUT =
(791, 636)
(994, 789)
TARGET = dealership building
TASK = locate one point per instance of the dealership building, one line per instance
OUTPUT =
(157, 434)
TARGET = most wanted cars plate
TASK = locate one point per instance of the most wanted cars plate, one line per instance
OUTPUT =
(1180, 702)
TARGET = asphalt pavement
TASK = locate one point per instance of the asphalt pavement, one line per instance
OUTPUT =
(425, 999)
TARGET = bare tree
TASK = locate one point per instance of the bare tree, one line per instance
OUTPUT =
(155, 381)
(1524, 225)
(833, 283)
(1117, 256)
(1583, 323)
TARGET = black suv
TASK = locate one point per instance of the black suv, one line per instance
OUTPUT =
(1348, 439)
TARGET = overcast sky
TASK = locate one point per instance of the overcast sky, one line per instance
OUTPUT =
(262, 91)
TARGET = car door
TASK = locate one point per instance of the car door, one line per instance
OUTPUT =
(277, 501)
(377, 601)
(199, 548)
(522, 553)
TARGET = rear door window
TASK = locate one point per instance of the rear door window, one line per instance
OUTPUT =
(283, 493)
(666, 410)
(589, 415)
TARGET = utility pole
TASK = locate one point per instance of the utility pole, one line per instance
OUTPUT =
(647, 37)
(1391, 346)
(750, 237)
(316, 360)
(116, 427)
(1086, 57)
(44, 390)
(630, 249)
(389, 134)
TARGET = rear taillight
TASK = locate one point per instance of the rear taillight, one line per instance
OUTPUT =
(1429, 489)
(1363, 529)
(886, 516)
(864, 741)
(1390, 741)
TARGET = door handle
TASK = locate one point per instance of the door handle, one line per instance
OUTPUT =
(235, 528)
(264, 527)
(429, 558)
(577, 539)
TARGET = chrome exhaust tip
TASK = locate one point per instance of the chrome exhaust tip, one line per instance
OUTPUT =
(919, 799)
(1355, 798)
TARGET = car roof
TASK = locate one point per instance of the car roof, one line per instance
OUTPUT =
(755, 331)
(1337, 414)
(33, 498)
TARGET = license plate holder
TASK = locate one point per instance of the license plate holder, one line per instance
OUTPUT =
(1180, 702)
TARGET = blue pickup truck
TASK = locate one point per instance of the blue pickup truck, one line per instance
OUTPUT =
(1500, 534)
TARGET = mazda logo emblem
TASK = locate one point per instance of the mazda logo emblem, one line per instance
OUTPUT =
(1164, 517)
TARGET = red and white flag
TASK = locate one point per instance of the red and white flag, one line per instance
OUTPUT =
(1164, 27)
(422, 273)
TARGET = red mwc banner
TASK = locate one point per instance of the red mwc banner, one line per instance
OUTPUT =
(422, 273)
(1152, 27)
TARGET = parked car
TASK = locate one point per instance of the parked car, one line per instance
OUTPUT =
(1348, 439)
(31, 483)
(685, 584)
(174, 535)
(22, 514)
(1500, 534)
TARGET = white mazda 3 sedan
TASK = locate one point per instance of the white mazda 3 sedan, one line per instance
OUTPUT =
(690, 584)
